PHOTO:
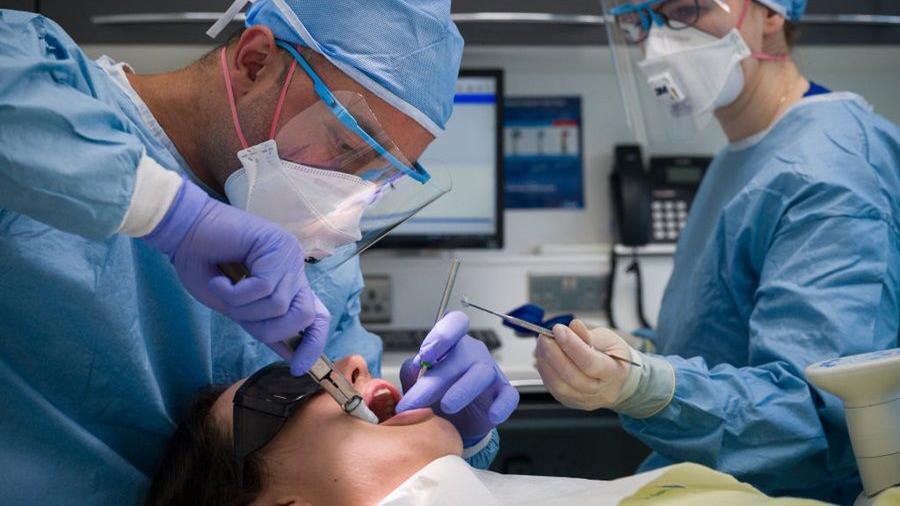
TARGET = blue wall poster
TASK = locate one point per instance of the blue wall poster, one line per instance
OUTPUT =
(543, 155)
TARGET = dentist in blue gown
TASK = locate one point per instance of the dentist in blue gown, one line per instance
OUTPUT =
(790, 255)
(113, 219)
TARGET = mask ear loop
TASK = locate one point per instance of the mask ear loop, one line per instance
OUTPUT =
(757, 54)
(280, 104)
(231, 104)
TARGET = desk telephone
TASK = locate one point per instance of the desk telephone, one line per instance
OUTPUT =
(652, 207)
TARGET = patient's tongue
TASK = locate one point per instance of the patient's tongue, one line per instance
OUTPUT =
(383, 405)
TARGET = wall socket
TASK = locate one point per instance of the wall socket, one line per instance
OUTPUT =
(578, 294)
(375, 299)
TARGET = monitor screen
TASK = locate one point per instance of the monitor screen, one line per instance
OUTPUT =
(471, 214)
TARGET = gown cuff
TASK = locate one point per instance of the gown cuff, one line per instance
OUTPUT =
(477, 447)
(648, 389)
(155, 188)
(482, 454)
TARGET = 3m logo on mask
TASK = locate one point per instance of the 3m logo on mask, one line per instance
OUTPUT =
(665, 89)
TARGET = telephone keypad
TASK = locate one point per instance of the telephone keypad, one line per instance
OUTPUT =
(669, 217)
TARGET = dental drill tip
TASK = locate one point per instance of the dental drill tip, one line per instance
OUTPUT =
(363, 412)
(424, 368)
(465, 302)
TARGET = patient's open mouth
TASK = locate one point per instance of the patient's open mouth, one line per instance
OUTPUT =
(382, 398)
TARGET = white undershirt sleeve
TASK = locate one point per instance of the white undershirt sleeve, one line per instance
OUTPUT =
(155, 187)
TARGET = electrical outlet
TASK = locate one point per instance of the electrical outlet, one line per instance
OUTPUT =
(376, 299)
(578, 294)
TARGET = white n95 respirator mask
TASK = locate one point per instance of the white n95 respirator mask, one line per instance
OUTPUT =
(321, 208)
(692, 72)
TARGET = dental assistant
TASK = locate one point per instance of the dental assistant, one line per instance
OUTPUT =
(790, 255)
(114, 215)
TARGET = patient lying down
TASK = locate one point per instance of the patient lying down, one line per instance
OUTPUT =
(323, 456)
(320, 456)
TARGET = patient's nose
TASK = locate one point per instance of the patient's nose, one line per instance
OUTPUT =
(354, 368)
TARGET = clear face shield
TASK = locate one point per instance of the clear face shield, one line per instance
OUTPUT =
(677, 61)
(329, 174)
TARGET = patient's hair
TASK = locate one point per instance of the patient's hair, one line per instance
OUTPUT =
(198, 466)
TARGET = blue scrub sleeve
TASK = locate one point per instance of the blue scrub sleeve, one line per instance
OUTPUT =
(820, 290)
(482, 455)
(339, 290)
(357, 339)
(68, 158)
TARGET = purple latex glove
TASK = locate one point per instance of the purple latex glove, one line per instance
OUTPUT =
(275, 302)
(463, 384)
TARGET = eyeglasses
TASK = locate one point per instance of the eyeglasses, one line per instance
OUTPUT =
(263, 404)
(635, 19)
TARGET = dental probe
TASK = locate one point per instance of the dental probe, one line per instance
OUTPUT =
(442, 308)
(535, 328)
(322, 370)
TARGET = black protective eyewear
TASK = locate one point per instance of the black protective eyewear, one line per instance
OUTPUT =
(263, 404)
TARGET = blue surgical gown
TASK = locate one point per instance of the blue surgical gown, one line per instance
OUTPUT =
(790, 255)
(101, 349)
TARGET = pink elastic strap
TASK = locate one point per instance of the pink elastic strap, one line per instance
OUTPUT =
(769, 57)
(744, 10)
(234, 115)
(280, 103)
(758, 55)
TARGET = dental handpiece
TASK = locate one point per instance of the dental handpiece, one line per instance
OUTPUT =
(322, 370)
(341, 390)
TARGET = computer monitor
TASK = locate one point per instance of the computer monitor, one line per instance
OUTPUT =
(471, 150)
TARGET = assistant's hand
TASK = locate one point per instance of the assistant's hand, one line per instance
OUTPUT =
(578, 376)
(465, 386)
(275, 302)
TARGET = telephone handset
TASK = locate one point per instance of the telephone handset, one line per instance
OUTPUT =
(630, 185)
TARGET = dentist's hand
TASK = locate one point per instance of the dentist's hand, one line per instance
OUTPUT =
(275, 302)
(464, 383)
(577, 375)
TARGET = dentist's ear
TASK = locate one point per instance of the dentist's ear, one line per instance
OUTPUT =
(774, 40)
(773, 23)
(253, 58)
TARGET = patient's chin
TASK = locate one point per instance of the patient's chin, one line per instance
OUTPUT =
(444, 430)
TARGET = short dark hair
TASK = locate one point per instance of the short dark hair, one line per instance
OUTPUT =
(211, 56)
(199, 467)
(791, 33)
